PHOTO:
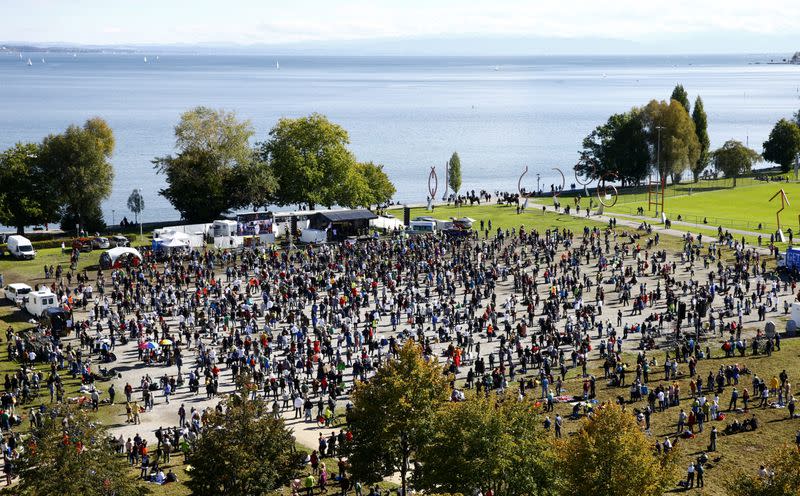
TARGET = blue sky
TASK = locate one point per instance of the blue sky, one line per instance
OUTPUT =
(730, 23)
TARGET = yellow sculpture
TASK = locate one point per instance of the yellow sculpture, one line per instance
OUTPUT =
(784, 203)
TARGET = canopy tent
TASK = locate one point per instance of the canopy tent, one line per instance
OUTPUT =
(341, 224)
(120, 257)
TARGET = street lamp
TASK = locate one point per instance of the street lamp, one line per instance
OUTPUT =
(658, 166)
(538, 176)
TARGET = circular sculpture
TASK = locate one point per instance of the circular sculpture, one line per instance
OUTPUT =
(556, 191)
(519, 182)
(603, 190)
(588, 176)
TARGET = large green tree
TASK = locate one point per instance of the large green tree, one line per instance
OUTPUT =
(783, 144)
(28, 193)
(700, 120)
(311, 161)
(393, 415)
(487, 442)
(77, 160)
(370, 184)
(611, 456)
(619, 146)
(682, 97)
(73, 455)
(244, 450)
(454, 172)
(675, 146)
(215, 169)
(734, 159)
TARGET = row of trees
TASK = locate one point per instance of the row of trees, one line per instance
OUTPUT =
(402, 418)
(669, 138)
(662, 136)
(63, 178)
(305, 161)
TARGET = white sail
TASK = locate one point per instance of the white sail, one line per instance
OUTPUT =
(145, 60)
(29, 62)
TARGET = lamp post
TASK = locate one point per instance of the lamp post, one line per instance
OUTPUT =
(538, 176)
(658, 166)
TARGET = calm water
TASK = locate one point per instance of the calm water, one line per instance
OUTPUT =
(500, 114)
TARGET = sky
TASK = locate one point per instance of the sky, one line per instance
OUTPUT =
(696, 25)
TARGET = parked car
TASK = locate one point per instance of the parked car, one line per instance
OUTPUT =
(15, 293)
(119, 241)
(82, 244)
(101, 243)
(58, 320)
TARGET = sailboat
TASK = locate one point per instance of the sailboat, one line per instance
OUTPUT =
(145, 60)
(497, 67)
(277, 65)
(43, 61)
(29, 62)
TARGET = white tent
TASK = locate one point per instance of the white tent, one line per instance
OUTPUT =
(109, 258)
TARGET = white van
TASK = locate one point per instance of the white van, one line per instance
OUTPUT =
(36, 302)
(15, 293)
(20, 247)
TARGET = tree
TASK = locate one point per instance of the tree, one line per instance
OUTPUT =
(370, 186)
(215, 169)
(487, 442)
(136, 203)
(734, 159)
(73, 458)
(393, 413)
(682, 97)
(454, 172)
(310, 159)
(783, 144)
(701, 129)
(223, 463)
(29, 194)
(784, 479)
(675, 147)
(610, 456)
(619, 146)
(77, 160)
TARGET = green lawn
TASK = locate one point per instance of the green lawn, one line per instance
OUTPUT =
(743, 207)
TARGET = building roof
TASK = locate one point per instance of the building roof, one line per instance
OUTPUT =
(346, 215)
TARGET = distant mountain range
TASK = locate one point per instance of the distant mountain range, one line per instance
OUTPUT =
(62, 49)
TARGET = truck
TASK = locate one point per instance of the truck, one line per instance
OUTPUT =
(790, 260)
(20, 247)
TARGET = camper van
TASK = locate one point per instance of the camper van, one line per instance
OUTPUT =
(224, 228)
(37, 302)
(15, 293)
(20, 247)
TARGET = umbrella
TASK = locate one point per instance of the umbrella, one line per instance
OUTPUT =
(165, 342)
(150, 345)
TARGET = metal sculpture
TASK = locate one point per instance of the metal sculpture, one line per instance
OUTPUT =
(519, 181)
(557, 191)
(784, 203)
(603, 188)
(433, 182)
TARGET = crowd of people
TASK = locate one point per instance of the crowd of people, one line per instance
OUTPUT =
(505, 310)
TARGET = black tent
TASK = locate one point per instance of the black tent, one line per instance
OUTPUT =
(341, 224)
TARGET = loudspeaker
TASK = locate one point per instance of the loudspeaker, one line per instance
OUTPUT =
(406, 216)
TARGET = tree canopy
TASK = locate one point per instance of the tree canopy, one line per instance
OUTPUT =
(28, 195)
(136, 203)
(454, 172)
(487, 442)
(223, 464)
(77, 160)
(784, 479)
(677, 147)
(313, 166)
(75, 457)
(783, 144)
(734, 159)
(681, 96)
(393, 414)
(215, 169)
(610, 456)
(700, 120)
(619, 146)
